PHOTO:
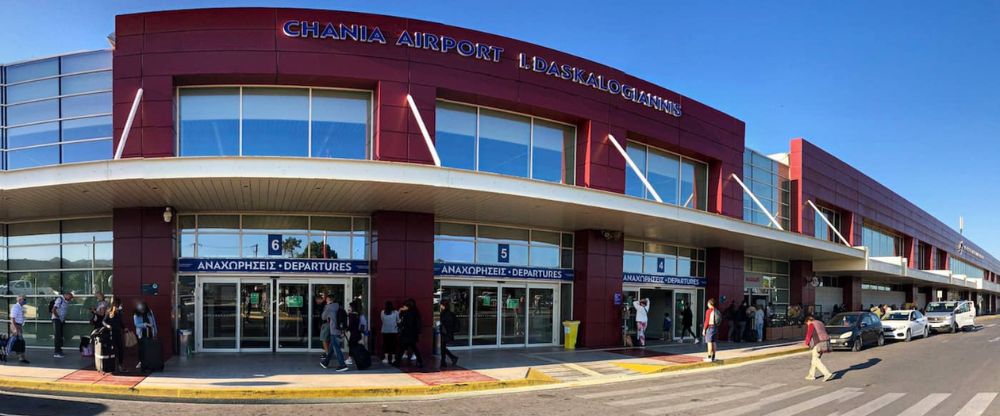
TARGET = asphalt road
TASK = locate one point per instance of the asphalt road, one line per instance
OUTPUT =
(946, 374)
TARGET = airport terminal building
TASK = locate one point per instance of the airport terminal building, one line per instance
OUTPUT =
(230, 165)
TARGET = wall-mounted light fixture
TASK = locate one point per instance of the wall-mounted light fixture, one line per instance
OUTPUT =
(168, 214)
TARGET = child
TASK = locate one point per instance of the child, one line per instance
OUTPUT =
(667, 325)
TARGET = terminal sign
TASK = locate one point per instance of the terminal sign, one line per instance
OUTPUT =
(323, 266)
(664, 280)
(501, 271)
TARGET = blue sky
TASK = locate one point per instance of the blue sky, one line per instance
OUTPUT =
(906, 91)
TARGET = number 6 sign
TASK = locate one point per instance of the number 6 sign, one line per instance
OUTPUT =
(274, 244)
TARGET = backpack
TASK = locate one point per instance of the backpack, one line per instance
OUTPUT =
(716, 317)
(52, 305)
(341, 320)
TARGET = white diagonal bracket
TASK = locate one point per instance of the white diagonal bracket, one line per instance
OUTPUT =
(757, 201)
(828, 223)
(635, 168)
(423, 130)
(128, 124)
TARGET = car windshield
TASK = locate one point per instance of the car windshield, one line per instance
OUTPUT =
(897, 316)
(844, 320)
(941, 307)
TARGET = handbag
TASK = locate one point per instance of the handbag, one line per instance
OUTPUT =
(130, 339)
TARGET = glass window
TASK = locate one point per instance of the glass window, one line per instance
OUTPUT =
(662, 172)
(32, 112)
(209, 122)
(460, 243)
(87, 128)
(503, 143)
(677, 180)
(86, 62)
(275, 122)
(96, 81)
(218, 245)
(87, 151)
(82, 105)
(694, 185)
(219, 222)
(33, 257)
(32, 70)
(633, 184)
(455, 137)
(293, 223)
(340, 124)
(33, 135)
(34, 90)
(87, 230)
(33, 157)
(550, 141)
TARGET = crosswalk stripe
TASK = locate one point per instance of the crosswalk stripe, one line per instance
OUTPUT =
(712, 401)
(767, 400)
(646, 389)
(664, 397)
(842, 394)
(870, 407)
(977, 405)
(925, 405)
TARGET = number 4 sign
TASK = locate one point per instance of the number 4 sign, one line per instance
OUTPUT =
(274, 244)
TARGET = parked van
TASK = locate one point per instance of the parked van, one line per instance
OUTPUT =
(950, 316)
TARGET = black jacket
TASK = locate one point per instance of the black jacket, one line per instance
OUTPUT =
(687, 318)
(409, 322)
(449, 325)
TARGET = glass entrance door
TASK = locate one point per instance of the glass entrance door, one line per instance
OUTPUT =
(682, 299)
(338, 289)
(458, 297)
(541, 315)
(484, 315)
(513, 319)
(218, 315)
(292, 315)
(255, 314)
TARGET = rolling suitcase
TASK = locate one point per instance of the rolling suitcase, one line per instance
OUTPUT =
(152, 354)
(362, 358)
(104, 353)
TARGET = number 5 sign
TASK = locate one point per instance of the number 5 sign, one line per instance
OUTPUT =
(503, 253)
(274, 244)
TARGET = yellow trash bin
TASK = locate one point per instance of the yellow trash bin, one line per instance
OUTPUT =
(570, 328)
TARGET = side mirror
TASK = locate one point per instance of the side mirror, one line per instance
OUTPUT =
(864, 325)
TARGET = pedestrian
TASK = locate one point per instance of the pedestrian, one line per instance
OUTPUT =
(320, 325)
(17, 330)
(59, 308)
(99, 310)
(741, 321)
(817, 340)
(667, 326)
(145, 328)
(390, 333)
(409, 331)
(641, 319)
(886, 310)
(113, 321)
(356, 324)
(758, 323)
(836, 309)
(712, 321)
(336, 320)
(731, 320)
(687, 322)
(449, 327)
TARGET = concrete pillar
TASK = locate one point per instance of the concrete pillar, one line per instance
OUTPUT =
(143, 256)
(724, 270)
(402, 267)
(911, 291)
(598, 268)
(800, 283)
(852, 292)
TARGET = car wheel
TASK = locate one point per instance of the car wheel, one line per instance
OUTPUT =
(954, 328)
(908, 336)
(857, 345)
(881, 340)
(927, 332)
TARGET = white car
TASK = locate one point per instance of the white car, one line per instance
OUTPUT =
(905, 325)
(950, 316)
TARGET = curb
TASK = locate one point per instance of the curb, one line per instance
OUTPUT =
(533, 378)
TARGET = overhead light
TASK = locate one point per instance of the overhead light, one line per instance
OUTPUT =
(168, 214)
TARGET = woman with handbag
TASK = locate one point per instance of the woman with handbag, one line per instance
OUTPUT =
(145, 329)
(819, 341)
(113, 321)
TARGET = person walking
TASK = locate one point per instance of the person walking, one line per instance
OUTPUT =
(409, 331)
(712, 321)
(668, 325)
(336, 319)
(355, 329)
(758, 324)
(390, 333)
(113, 321)
(319, 324)
(449, 327)
(741, 322)
(687, 321)
(145, 328)
(60, 308)
(819, 342)
(17, 330)
(641, 319)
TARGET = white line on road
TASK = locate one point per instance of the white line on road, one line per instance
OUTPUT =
(663, 397)
(711, 401)
(994, 339)
(767, 400)
(646, 389)
(870, 407)
(925, 405)
(839, 395)
(977, 405)
(991, 325)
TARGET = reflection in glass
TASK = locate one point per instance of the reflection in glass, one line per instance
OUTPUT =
(85, 62)
(32, 70)
(663, 170)
(275, 122)
(455, 138)
(634, 185)
(87, 151)
(209, 121)
(95, 81)
(293, 315)
(86, 128)
(503, 143)
(549, 142)
(33, 90)
(540, 315)
(32, 157)
(81, 105)
(340, 124)
(255, 314)
(218, 325)
(32, 135)
(513, 315)
(32, 112)
(484, 316)
(460, 306)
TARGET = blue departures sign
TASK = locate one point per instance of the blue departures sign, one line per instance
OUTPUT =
(321, 266)
(494, 272)
(664, 280)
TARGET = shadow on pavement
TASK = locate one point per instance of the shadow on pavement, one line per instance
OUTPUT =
(861, 366)
(43, 406)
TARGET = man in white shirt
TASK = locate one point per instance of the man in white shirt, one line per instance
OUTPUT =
(17, 327)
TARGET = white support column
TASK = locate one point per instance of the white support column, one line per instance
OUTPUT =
(128, 124)
(635, 168)
(830, 224)
(757, 201)
(423, 130)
